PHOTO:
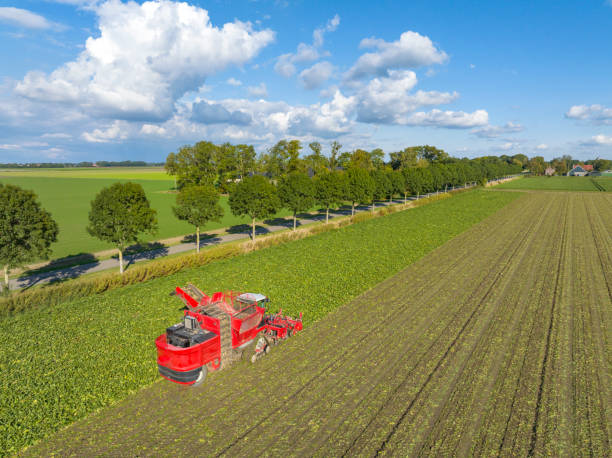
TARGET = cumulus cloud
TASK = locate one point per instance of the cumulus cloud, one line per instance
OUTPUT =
(497, 131)
(146, 57)
(448, 119)
(412, 50)
(152, 129)
(601, 139)
(214, 113)
(286, 63)
(258, 91)
(273, 120)
(388, 99)
(23, 18)
(234, 82)
(116, 131)
(542, 146)
(594, 113)
(315, 76)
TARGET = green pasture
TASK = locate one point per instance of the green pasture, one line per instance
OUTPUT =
(125, 173)
(68, 199)
(91, 352)
(559, 184)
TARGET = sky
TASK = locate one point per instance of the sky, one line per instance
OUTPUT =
(86, 80)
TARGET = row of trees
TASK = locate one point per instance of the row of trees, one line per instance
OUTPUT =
(222, 165)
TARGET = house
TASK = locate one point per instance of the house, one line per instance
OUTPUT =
(549, 171)
(578, 171)
(601, 173)
(588, 167)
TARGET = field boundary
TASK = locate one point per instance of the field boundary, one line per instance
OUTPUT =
(54, 294)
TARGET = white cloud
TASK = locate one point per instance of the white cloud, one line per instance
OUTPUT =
(388, 99)
(507, 146)
(448, 119)
(412, 50)
(285, 63)
(542, 146)
(146, 57)
(601, 139)
(116, 131)
(258, 91)
(497, 131)
(318, 34)
(316, 75)
(234, 82)
(23, 18)
(60, 135)
(152, 129)
(594, 113)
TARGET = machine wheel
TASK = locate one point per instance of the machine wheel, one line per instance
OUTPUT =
(201, 377)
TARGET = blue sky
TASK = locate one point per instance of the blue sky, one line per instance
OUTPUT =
(116, 80)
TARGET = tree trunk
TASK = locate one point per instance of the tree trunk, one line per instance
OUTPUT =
(327, 215)
(373, 205)
(6, 280)
(391, 198)
(294, 221)
(418, 195)
(197, 239)
(405, 198)
(253, 229)
(120, 261)
(353, 209)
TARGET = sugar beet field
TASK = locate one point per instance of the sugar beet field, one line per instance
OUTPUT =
(496, 343)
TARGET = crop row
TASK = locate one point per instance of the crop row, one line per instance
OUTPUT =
(89, 353)
(505, 351)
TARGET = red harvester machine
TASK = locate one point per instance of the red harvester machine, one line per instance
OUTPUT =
(218, 330)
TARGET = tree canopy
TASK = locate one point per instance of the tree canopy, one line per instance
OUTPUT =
(360, 187)
(256, 198)
(330, 190)
(296, 193)
(26, 229)
(198, 205)
(120, 214)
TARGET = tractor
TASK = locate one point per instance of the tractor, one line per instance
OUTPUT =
(218, 330)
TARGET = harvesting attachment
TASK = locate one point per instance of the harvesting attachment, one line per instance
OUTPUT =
(217, 330)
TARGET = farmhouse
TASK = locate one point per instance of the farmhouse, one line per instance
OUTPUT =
(578, 171)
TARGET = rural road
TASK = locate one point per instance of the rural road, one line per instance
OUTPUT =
(27, 281)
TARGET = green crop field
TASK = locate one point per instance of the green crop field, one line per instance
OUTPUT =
(89, 353)
(124, 173)
(559, 184)
(67, 195)
(494, 344)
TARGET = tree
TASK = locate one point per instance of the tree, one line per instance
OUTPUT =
(333, 157)
(330, 189)
(396, 181)
(382, 185)
(296, 193)
(404, 159)
(26, 229)
(119, 214)
(256, 198)
(360, 187)
(316, 161)
(194, 165)
(198, 205)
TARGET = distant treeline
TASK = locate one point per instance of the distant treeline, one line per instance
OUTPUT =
(66, 165)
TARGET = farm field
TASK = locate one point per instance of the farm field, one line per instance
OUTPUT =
(560, 184)
(496, 343)
(68, 199)
(92, 352)
(125, 173)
